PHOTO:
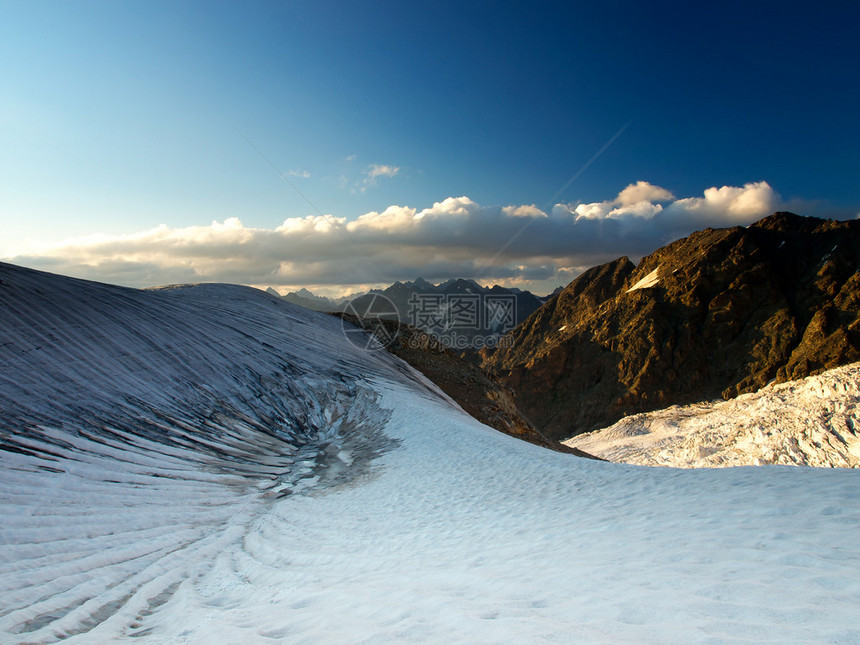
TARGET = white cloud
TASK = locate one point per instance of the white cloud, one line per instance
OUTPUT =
(380, 170)
(523, 211)
(303, 174)
(739, 204)
(374, 171)
(453, 237)
(643, 209)
(450, 207)
(310, 224)
(729, 205)
(391, 219)
(642, 191)
(637, 200)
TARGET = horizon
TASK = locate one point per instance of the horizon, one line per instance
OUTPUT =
(342, 147)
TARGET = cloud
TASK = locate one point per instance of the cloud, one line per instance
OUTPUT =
(391, 219)
(523, 211)
(730, 205)
(642, 191)
(304, 174)
(374, 171)
(734, 203)
(454, 237)
(638, 200)
(380, 170)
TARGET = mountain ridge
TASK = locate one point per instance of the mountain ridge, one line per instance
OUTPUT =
(430, 308)
(719, 313)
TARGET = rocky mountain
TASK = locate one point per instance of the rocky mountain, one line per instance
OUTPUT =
(461, 313)
(717, 314)
(310, 300)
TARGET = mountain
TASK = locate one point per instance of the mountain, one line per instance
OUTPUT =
(309, 300)
(463, 314)
(717, 314)
(211, 464)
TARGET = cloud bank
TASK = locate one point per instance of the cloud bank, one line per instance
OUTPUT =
(454, 237)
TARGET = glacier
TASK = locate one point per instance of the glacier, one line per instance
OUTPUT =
(812, 421)
(211, 464)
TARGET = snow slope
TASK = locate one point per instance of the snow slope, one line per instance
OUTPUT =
(810, 422)
(150, 439)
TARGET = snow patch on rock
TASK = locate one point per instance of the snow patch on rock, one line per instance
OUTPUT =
(648, 281)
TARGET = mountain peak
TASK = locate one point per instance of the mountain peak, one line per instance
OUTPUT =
(461, 285)
(784, 220)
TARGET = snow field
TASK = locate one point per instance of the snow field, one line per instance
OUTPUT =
(529, 545)
(139, 503)
(809, 422)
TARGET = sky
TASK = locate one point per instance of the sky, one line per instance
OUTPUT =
(341, 145)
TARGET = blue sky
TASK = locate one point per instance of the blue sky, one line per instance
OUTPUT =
(120, 117)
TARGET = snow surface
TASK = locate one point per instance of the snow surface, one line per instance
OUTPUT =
(810, 422)
(145, 434)
(648, 281)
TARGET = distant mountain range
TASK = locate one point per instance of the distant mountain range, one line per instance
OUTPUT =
(310, 300)
(461, 313)
(717, 314)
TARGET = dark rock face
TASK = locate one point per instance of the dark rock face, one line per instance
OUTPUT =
(732, 310)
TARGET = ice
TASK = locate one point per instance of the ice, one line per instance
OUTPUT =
(139, 506)
(808, 422)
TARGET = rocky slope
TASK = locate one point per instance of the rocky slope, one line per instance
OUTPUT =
(720, 313)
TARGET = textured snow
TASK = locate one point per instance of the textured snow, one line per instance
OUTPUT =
(141, 457)
(648, 281)
(810, 422)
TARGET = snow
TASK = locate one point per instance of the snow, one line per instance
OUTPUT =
(810, 422)
(152, 429)
(648, 281)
